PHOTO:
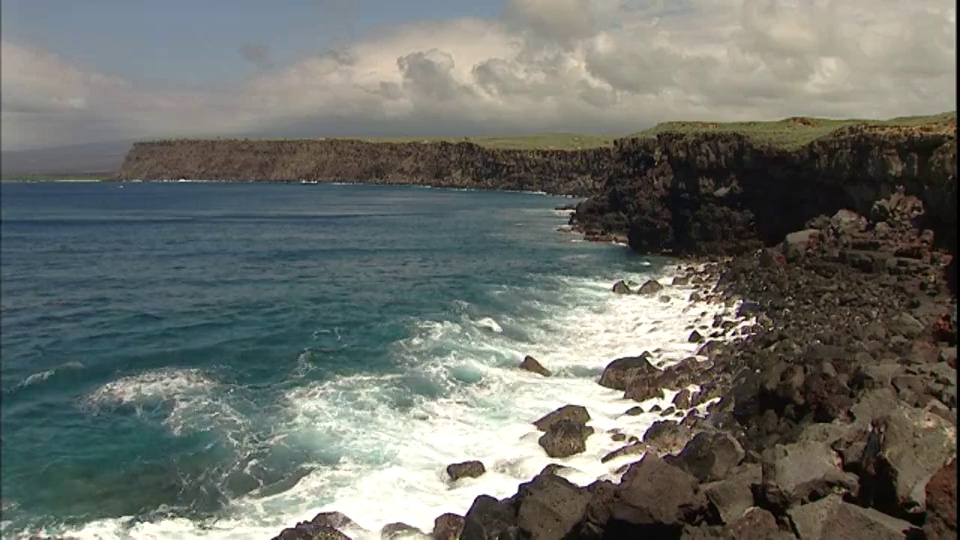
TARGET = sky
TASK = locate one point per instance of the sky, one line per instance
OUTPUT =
(81, 71)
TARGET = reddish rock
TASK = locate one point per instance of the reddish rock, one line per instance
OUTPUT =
(941, 521)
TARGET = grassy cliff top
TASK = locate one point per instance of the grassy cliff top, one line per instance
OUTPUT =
(788, 133)
(545, 141)
(798, 131)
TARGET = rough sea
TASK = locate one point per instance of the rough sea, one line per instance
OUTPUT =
(199, 360)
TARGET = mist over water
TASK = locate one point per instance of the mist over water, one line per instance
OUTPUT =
(195, 360)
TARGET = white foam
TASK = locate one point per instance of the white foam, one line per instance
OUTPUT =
(458, 396)
(188, 393)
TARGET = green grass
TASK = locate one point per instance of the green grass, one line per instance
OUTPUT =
(793, 133)
(789, 133)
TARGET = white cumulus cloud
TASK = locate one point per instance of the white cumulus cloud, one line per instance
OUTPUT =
(613, 66)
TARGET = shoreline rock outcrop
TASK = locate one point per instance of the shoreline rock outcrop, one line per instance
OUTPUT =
(834, 413)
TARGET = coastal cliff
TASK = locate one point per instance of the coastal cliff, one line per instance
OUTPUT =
(723, 193)
(438, 164)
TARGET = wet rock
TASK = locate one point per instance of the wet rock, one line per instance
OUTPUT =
(622, 372)
(655, 500)
(941, 490)
(709, 456)
(309, 531)
(682, 399)
(621, 287)
(467, 469)
(393, 531)
(565, 438)
(801, 472)
(696, 337)
(634, 411)
(650, 287)
(531, 364)
(626, 450)
(831, 517)
(333, 519)
(667, 436)
(573, 413)
(681, 281)
(732, 496)
(447, 527)
(323, 526)
(550, 507)
(489, 518)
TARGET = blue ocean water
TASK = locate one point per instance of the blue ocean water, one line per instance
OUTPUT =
(223, 359)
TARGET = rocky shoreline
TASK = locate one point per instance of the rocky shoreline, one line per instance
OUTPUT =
(832, 415)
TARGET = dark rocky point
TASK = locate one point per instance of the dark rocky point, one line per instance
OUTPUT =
(467, 469)
(531, 364)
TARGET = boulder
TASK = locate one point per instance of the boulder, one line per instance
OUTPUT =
(941, 520)
(667, 436)
(682, 399)
(655, 499)
(573, 413)
(621, 287)
(309, 531)
(831, 517)
(531, 364)
(565, 438)
(599, 510)
(709, 456)
(549, 507)
(488, 519)
(796, 244)
(695, 337)
(467, 469)
(392, 531)
(650, 287)
(755, 523)
(914, 445)
(323, 526)
(447, 527)
(802, 471)
(732, 496)
(620, 373)
(333, 519)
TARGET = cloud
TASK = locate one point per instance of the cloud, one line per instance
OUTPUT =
(257, 54)
(614, 66)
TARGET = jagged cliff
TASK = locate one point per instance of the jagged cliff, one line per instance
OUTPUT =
(441, 164)
(722, 193)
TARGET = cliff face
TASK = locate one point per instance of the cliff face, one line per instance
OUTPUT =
(722, 194)
(460, 165)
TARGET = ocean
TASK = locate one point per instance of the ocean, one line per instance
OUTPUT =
(197, 360)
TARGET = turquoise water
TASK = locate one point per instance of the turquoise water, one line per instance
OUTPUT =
(182, 357)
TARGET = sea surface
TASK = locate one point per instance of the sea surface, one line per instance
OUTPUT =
(223, 360)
